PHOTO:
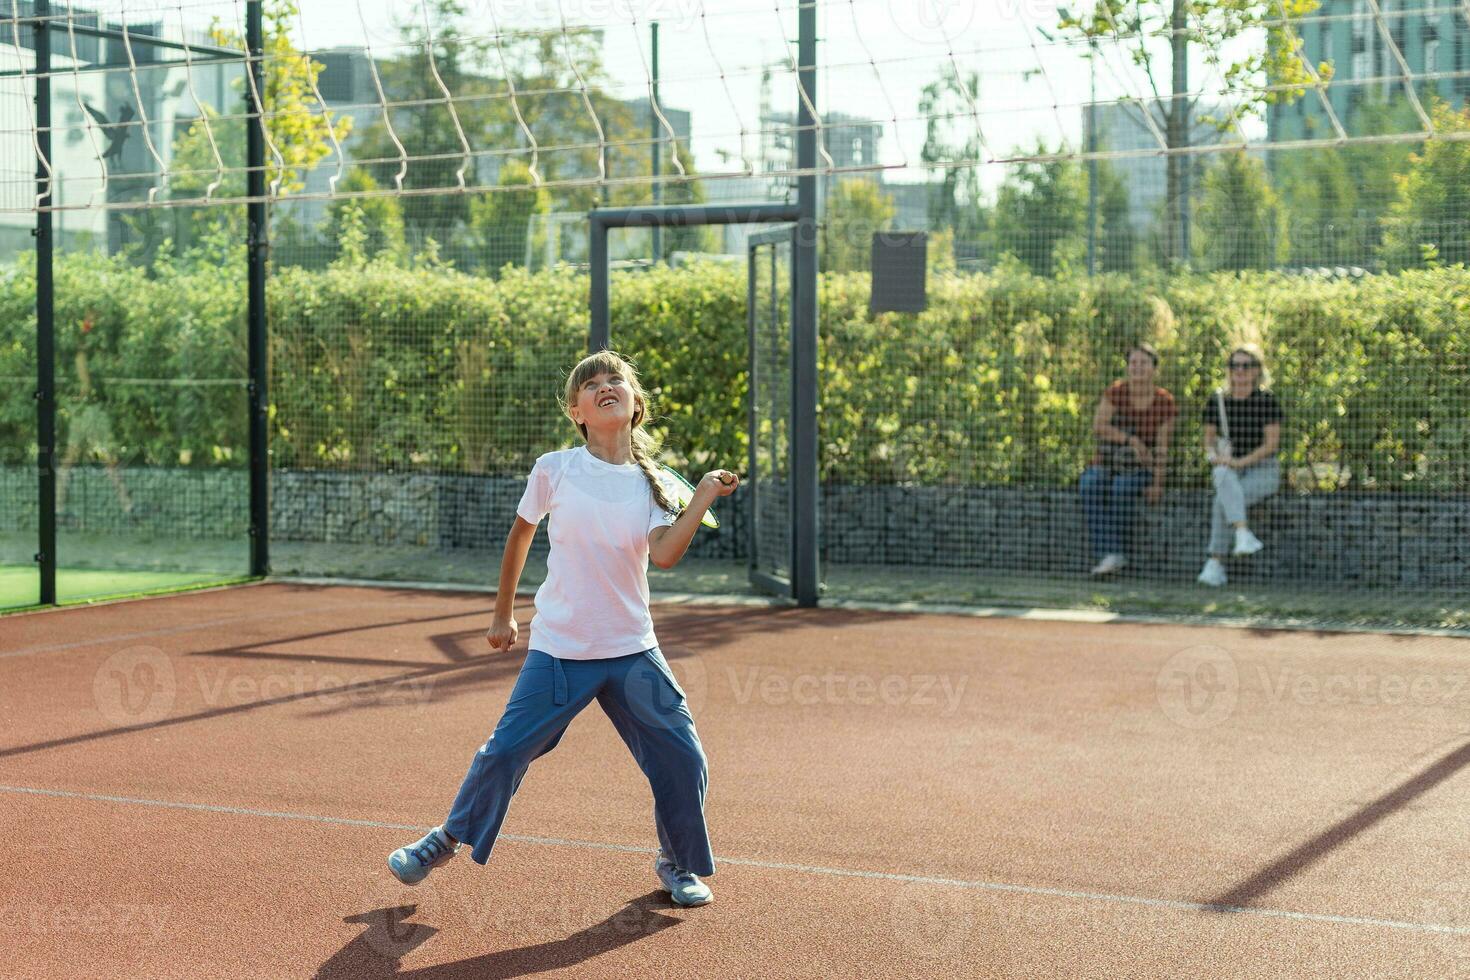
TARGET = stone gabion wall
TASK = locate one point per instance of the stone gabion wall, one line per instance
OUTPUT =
(178, 502)
(1387, 540)
(1329, 540)
(440, 511)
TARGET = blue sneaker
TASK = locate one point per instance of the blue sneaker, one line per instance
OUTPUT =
(684, 887)
(413, 863)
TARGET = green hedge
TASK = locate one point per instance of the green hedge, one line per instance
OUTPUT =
(427, 368)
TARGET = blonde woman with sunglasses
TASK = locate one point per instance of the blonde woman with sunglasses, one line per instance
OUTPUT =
(1242, 434)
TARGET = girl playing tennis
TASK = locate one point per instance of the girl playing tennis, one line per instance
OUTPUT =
(592, 635)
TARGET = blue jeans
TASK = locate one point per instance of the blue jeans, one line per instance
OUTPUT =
(647, 707)
(1108, 502)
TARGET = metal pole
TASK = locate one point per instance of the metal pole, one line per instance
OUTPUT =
(1180, 134)
(599, 333)
(656, 148)
(804, 572)
(45, 316)
(1092, 158)
(752, 404)
(600, 336)
(257, 251)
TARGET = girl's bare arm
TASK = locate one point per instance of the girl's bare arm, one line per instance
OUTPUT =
(503, 629)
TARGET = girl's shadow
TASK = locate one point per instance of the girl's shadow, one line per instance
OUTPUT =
(377, 953)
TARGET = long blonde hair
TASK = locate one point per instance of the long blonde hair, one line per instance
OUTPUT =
(645, 446)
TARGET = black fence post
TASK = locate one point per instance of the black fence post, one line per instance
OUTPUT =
(805, 574)
(45, 314)
(257, 251)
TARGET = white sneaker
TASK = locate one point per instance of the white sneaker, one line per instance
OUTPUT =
(684, 887)
(411, 864)
(1213, 574)
(1109, 564)
(1246, 543)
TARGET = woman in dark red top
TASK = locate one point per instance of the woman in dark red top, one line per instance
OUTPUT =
(1133, 423)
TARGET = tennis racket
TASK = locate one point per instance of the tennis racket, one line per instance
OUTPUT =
(682, 491)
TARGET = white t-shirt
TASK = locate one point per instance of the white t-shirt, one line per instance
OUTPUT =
(594, 602)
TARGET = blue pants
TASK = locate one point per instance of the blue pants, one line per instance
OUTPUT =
(1108, 502)
(647, 707)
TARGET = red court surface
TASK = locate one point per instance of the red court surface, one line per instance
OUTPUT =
(209, 784)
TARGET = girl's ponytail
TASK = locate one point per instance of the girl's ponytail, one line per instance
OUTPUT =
(643, 450)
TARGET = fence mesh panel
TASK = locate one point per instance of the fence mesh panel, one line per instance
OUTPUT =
(1298, 194)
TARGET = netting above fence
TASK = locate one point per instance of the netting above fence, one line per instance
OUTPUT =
(435, 96)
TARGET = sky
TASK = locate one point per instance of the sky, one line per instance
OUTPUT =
(875, 57)
(1030, 88)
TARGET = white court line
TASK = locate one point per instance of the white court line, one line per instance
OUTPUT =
(993, 886)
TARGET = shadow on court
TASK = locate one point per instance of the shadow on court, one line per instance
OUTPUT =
(390, 936)
(1303, 856)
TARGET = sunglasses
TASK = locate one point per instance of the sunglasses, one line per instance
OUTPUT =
(1243, 365)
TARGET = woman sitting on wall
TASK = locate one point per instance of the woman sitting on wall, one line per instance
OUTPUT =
(1242, 423)
(1133, 423)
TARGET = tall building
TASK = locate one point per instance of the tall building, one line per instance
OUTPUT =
(347, 88)
(851, 141)
(1121, 126)
(135, 154)
(1434, 41)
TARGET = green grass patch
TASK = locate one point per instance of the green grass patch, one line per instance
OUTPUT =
(19, 586)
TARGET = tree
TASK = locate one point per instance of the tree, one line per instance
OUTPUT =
(1337, 198)
(1275, 73)
(297, 125)
(856, 208)
(1241, 221)
(1320, 198)
(501, 220)
(209, 152)
(515, 96)
(376, 221)
(1429, 221)
(1117, 241)
(686, 238)
(954, 199)
(1040, 214)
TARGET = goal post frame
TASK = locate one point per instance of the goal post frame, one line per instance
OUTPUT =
(805, 585)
